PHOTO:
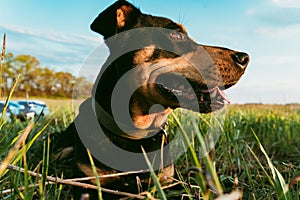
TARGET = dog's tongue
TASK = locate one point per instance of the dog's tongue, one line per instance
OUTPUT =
(219, 92)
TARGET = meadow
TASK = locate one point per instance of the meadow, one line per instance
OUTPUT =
(256, 155)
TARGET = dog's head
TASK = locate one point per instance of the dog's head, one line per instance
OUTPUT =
(171, 69)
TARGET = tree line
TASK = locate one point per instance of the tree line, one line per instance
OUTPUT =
(40, 81)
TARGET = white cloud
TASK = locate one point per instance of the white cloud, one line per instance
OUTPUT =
(276, 12)
(283, 62)
(250, 12)
(287, 3)
(68, 38)
(287, 32)
(59, 51)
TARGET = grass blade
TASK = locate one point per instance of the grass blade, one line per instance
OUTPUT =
(193, 153)
(15, 150)
(8, 99)
(26, 175)
(154, 177)
(207, 159)
(30, 143)
(260, 165)
(95, 174)
(45, 165)
(279, 182)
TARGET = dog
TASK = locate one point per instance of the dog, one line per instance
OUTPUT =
(165, 69)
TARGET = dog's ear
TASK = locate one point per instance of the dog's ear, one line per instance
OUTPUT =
(118, 17)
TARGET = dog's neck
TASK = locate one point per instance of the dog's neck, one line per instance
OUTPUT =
(142, 122)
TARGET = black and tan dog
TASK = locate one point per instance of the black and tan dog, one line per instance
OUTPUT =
(164, 67)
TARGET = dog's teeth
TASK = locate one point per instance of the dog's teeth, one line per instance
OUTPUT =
(177, 92)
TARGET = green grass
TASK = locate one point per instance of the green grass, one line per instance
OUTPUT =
(31, 154)
(258, 146)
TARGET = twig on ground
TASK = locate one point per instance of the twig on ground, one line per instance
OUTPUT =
(109, 175)
(74, 183)
(171, 185)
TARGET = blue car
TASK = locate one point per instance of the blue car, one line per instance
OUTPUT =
(7, 115)
(35, 107)
(13, 109)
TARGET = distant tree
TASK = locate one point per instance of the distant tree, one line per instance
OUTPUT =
(25, 65)
(38, 81)
(82, 88)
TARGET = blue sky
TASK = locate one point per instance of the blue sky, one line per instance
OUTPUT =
(57, 33)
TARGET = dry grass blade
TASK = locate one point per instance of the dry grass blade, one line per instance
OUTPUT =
(3, 47)
(2, 62)
(13, 152)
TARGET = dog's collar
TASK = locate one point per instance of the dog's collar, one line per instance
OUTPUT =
(130, 132)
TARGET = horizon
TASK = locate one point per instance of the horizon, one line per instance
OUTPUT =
(58, 35)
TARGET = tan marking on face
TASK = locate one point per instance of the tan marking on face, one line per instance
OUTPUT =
(161, 118)
(121, 18)
(122, 15)
(140, 106)
(144, 54)
(181, 26)
(154, 120)
(167, 173)
(228, 72)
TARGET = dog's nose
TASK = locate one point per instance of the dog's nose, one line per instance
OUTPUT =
(241, 59)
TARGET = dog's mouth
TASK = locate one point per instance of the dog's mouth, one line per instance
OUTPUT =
(185, 93)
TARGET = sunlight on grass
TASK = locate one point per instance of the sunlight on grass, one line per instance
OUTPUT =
(235, 153)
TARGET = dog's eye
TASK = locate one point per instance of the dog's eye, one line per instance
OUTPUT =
(177, 36)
